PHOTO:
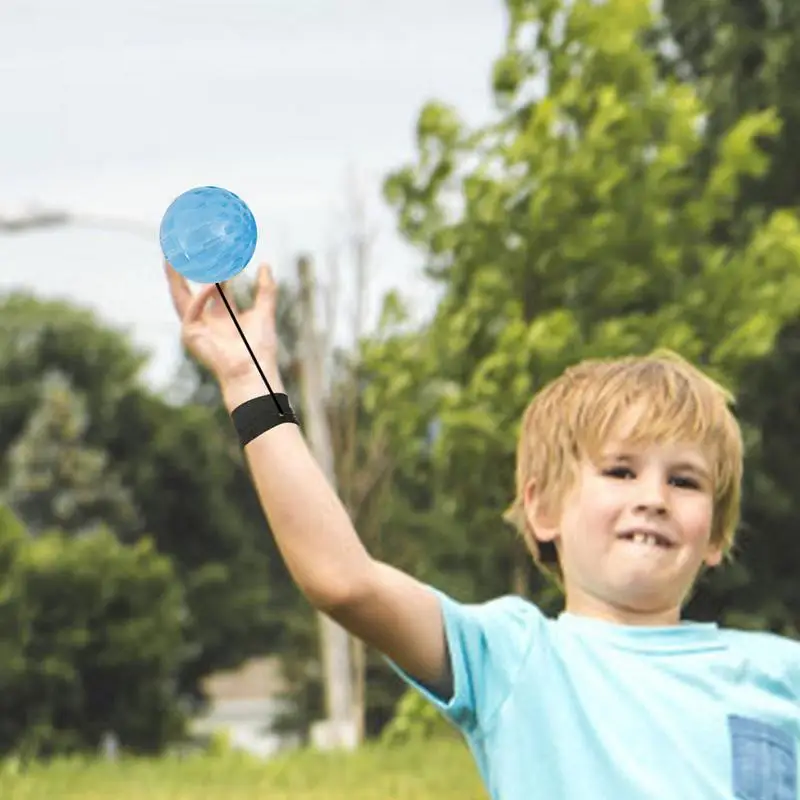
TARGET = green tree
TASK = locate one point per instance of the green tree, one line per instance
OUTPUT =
(574, 225)
(13, 537)
(55, 480)
(179, 462)
(38, 337)
(762, 591)
(743, 56)
(96, 629)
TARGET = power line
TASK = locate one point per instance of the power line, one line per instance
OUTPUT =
(42, 220)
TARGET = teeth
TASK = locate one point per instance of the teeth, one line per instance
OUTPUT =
(644, 538)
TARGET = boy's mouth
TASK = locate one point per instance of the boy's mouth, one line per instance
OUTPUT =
(647, 538)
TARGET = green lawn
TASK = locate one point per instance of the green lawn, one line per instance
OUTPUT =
(440, 771)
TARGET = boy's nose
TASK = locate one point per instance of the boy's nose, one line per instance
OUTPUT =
(652, 498)
(652, 507)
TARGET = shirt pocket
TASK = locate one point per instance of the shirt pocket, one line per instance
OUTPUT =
(764, 760)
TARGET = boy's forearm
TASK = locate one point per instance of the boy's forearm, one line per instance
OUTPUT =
(311, 526)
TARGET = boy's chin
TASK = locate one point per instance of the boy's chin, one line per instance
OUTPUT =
(649, 598)
(642, 592)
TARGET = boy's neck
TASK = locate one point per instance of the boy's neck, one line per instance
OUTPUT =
(584, 605)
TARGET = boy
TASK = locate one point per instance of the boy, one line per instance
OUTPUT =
(628, 481)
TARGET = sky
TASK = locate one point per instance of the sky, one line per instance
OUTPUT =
(115, 108)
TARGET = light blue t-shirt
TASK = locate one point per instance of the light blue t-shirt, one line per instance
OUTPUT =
(575, 708)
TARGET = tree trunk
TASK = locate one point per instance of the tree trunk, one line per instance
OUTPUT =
(338, 730)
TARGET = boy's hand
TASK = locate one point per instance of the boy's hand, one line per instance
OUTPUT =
(210, 335)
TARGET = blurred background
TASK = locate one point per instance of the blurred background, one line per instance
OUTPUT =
(459, 199)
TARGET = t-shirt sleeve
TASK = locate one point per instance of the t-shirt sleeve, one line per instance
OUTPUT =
(487, 645)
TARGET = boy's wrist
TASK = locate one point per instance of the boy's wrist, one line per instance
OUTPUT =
(240, 390)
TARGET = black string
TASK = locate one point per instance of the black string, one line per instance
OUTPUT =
(249, 349)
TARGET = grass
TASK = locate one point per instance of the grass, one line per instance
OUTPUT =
(428, 771)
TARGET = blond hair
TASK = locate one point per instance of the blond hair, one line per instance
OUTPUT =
(574, 416)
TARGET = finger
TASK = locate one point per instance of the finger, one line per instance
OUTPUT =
(230, 296)
(178, 288)
(266, 289)
(198, 303)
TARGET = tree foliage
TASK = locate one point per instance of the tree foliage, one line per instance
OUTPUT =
(576, 224)
(55, 480)
(83, 441)
(92, 638)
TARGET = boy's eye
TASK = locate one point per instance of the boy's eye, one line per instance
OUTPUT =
(685, 483)
(626, 473)
(619, 472)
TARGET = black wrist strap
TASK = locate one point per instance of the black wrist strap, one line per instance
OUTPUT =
(258, 415)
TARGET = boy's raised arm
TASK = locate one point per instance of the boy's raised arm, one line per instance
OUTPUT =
(384, 607)
(381, 605)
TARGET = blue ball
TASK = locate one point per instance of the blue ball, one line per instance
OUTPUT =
(208, 234)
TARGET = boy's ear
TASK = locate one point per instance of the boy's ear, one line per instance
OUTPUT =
(713, 556)
(541, 519)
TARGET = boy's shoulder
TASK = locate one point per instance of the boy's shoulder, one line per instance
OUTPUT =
(509, 607)
(766, 642)
(770, 653)
(507, 625)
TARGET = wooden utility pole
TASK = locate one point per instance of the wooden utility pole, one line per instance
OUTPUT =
(339, 730)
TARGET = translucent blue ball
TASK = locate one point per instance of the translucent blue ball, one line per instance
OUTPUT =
(208, 234)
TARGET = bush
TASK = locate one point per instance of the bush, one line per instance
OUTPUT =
(416, 720)
(91, 637)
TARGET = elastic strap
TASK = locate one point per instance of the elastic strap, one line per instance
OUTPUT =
(257, 416)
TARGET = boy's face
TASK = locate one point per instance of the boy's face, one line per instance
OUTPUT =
(635, 531)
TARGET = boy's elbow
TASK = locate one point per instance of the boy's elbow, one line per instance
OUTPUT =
(339, 594)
